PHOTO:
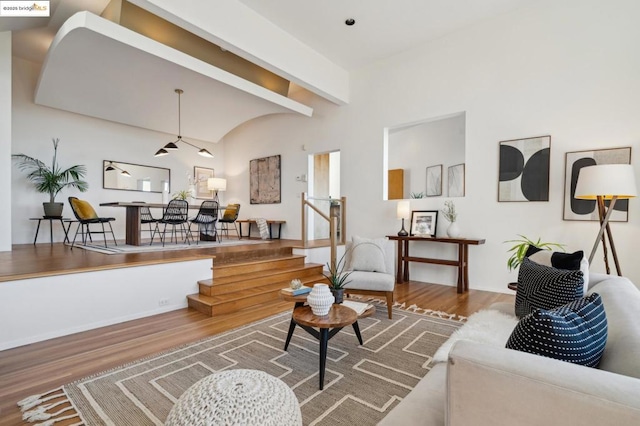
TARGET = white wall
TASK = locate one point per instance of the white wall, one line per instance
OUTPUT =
(37, 309)
(5, 138)
(569, 69)
(88, 141)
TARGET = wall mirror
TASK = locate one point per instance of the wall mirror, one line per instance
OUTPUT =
(135, 177)
(425, 158)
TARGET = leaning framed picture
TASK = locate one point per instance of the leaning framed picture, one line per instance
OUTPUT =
(423, 223)
(455, 180)
(575, 209)
(200, 177)
(434, 180)
(524, 169)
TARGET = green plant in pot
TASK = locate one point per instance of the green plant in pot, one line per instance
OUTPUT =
(52, 180)
(337, 278)
(185, 194)
(519, 250)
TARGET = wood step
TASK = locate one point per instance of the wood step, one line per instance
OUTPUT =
(258, 265)
(245, 281)
(220, 304)
(251, 253)
(261, 275)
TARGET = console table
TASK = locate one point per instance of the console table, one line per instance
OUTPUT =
(462, 263)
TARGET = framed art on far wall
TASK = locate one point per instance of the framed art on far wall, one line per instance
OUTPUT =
(575, 209)
(434, 180)
(423, 223)
(264, 180)
(200, 176)
(524, 169)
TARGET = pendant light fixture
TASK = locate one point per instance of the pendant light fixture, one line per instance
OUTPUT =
(172, 146)
(111, 167)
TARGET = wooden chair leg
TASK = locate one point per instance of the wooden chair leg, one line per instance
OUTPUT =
(390, 304)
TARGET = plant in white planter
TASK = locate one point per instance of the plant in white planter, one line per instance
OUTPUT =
(52, 180)
(449, 212)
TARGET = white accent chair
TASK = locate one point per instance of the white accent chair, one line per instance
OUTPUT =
(371, 263)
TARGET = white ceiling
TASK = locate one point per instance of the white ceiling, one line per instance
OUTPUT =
(137, 87)
(383, 27)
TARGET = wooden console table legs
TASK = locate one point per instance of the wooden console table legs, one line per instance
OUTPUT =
(461, 263)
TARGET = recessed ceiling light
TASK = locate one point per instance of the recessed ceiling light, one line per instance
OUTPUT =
(350, 21)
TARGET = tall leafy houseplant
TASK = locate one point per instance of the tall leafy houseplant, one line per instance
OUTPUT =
(519, 250)
(52, 180)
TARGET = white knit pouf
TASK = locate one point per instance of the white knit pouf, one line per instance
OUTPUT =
(237, 397)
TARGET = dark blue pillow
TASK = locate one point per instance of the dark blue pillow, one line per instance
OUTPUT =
(575, 332)
(545, 287)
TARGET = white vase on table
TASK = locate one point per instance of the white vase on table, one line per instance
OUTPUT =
(453, 231)
(320, 299)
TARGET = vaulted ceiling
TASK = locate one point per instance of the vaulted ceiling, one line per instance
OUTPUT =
(101, 69)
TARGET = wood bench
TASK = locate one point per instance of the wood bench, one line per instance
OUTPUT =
(269, 222)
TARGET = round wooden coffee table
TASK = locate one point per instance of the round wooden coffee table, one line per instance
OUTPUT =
(329, 325)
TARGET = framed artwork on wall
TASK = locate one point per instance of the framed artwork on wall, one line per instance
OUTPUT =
(424, 223)
(524, 169)
(264, 184)
(200, 177)
(575, 209)
(434, 180)
(455, 180)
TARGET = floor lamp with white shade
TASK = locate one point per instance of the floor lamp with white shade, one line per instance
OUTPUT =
(606, 182)
(216, 185)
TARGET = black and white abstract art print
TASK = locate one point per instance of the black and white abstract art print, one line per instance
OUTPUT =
(524, 169)
(575, 209)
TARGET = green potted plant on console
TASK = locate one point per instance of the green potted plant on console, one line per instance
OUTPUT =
(52, 180)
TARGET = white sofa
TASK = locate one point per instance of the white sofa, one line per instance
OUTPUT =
(486, 385)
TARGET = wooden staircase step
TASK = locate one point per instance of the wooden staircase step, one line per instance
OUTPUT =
(273, 272)
(220, 304)
(257, 265)
(241, 282)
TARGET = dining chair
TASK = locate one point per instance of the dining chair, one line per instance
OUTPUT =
(87, 216)
(146, 218)
(174, 215)
(229, 217)
(206, 220)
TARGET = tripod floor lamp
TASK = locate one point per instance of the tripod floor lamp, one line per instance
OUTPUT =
(606, 182)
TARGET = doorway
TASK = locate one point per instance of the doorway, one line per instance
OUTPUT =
(324, 186)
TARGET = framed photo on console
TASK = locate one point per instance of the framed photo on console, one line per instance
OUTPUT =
(423, 223)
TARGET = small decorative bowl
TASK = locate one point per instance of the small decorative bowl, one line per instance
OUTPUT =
(295, 284)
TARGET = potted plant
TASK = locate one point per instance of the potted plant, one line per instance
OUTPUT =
(449, 212)
(519, 250)
(52, 180)
(337, 278)
(185, 194)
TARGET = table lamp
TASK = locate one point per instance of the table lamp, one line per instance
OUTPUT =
(403, 210)
(609, 182)
(216, 184)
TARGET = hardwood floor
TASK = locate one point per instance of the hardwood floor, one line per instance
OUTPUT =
(43, 366)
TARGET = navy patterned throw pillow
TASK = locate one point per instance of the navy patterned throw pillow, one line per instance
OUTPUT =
(545, 287)
(575, 332)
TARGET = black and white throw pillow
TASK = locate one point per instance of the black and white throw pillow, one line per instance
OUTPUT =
(575, 332)
(545, 287)
(556, 259)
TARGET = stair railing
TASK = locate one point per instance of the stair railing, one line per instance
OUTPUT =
(337, 214)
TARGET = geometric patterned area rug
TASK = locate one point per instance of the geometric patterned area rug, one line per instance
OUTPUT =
(157, 246)
(362, 383)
